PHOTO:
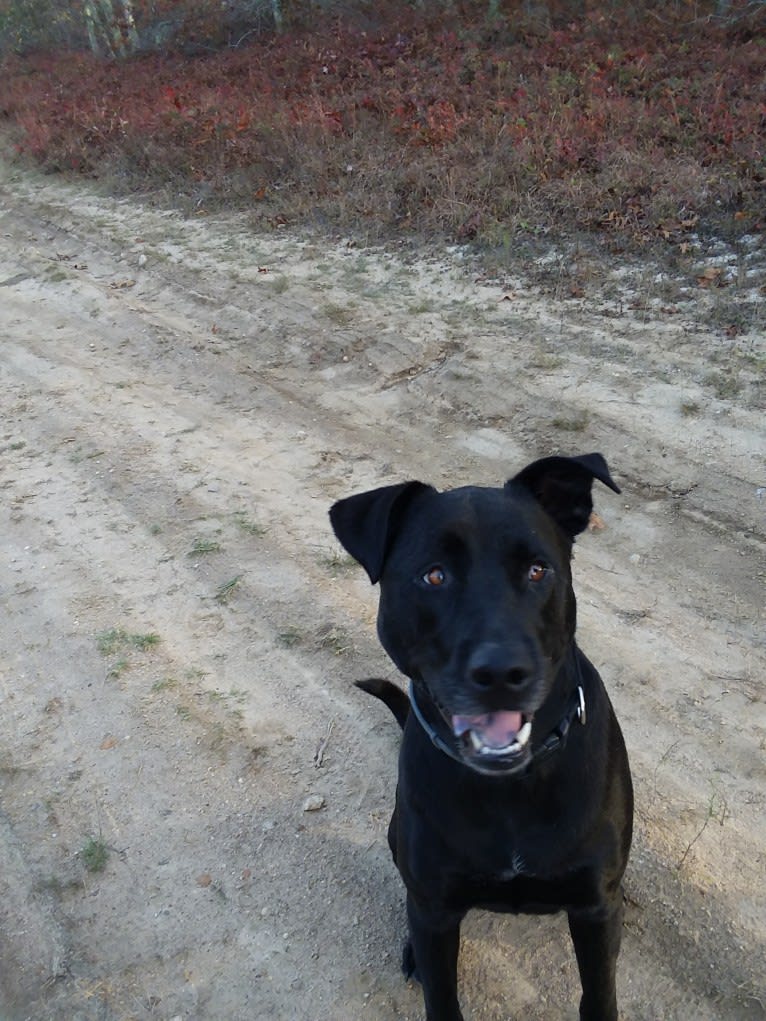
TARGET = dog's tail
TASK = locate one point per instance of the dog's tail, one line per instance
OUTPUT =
(394, 697)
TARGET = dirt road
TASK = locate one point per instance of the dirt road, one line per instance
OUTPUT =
(181, 402)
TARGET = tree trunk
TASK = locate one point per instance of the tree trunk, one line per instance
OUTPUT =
(110, 33)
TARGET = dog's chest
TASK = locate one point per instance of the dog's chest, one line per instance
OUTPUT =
(502, 855)
(517, 866)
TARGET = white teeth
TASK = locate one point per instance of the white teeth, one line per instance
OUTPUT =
(515, 746)
(476, 741)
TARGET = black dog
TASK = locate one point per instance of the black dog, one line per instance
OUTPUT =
(514, 788)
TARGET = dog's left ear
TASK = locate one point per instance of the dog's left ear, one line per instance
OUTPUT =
(366, 524)
(562, 485)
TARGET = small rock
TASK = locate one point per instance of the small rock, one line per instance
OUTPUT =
(313, 803)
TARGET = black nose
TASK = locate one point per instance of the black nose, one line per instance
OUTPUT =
(497, 666)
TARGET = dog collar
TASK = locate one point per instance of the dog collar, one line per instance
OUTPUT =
(552, 743)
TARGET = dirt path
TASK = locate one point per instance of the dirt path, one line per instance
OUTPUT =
(181, 401)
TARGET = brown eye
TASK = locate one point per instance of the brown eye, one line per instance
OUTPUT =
(435, 576)
(537, 572)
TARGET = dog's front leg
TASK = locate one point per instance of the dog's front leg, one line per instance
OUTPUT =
(597, 944)
(435, 941)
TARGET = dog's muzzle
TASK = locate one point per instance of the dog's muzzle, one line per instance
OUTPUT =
(496, 743)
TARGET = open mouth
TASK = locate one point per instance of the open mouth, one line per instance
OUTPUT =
(498, 738)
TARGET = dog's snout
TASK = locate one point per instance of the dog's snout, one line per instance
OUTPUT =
(493, 667)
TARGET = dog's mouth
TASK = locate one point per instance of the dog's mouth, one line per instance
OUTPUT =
(496, 741)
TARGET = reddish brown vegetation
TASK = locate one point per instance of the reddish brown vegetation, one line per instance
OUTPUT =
(639, 125)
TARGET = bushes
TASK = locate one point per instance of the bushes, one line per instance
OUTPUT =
(634, 127)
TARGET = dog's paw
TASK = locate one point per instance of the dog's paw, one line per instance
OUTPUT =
(409, 967)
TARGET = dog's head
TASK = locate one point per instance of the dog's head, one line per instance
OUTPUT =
(476, 599)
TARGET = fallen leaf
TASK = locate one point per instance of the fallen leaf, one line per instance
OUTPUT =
(109, 742)
(711, 276)
(205, 879)
(596, 523)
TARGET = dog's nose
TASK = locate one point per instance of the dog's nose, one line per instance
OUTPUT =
(497, 666)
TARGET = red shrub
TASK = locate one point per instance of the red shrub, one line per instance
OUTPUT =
(593, 111)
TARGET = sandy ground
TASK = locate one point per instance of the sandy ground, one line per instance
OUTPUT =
(181, 402)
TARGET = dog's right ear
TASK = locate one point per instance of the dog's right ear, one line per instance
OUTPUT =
(365, 524)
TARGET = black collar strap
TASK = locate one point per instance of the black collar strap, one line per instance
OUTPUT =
(552, 743)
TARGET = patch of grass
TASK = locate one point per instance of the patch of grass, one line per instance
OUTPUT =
(334, 639)
(109, 641)
(726, 386)
(337, 562)
(545, 361)
(226, 590)
(112, 641)
(116, 669)
(95, 854)
(577, 423)
(246, 524)
(289, 637)
(422, 307)
(340, 315)
(144, 642)
(226, 698)
(164, 684)
(690, 408)
(201, 547)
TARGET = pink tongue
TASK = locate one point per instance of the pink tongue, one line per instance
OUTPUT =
(495, 729)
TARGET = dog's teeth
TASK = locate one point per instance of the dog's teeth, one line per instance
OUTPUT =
(523, 735)
(500, 752)
(515, 746)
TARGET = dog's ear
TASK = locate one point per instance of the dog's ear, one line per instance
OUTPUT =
(366, 523)
(562, 485)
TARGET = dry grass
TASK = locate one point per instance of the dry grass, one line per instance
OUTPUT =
(628, 123)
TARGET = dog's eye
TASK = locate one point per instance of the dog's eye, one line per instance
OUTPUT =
(435, 576)
(537, 572)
